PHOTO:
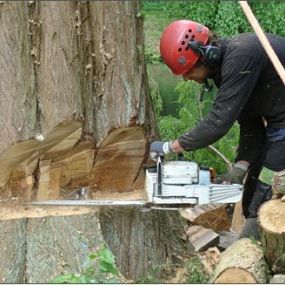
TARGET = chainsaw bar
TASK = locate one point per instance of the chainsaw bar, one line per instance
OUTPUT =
(109, 203)
(90, 203)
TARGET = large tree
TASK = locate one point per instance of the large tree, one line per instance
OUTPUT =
(62, 61)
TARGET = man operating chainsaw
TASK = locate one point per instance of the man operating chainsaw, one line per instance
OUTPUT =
(249, 91)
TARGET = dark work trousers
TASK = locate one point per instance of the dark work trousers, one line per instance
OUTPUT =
(255, 191)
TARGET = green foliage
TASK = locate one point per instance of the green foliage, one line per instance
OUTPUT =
(155, 98)
(153, 6)
(270, 15)
(151, 56)
(230, 19)
(191, 111)
(224, 17)
(101, 269)
(200, 11)
(195, 271)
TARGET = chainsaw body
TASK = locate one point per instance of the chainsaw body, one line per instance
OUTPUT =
(183, 182)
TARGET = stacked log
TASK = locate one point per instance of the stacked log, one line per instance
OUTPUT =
(242, 262)
(272, 226)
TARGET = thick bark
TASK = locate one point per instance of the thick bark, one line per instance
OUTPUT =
(144, 240)
(17, 85)
(271, 219)
(68, 59)
(242, 262)
(39, 244)
(72, 60)
(13, 250)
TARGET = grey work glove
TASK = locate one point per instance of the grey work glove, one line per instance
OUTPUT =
(235, 176)
(159, 149)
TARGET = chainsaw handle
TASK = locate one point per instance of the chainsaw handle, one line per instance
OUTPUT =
(159, 175)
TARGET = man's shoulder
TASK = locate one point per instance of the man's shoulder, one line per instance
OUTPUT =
(243, 44)
(242, 40)
(250, 41)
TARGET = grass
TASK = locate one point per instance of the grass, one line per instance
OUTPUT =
(154, 24)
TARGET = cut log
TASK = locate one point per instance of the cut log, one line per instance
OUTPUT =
(242, 262)
(238, 219)
(202, 238)
(210, 216)
(271, 219)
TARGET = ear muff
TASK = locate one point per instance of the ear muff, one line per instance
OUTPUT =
(210, 55)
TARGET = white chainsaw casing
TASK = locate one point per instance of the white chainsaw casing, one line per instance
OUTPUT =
(180, 172)
(182, 182)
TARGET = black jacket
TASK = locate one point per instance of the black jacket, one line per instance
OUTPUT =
(249, 89)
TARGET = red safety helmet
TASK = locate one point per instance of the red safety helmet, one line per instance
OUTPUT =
(174, 41)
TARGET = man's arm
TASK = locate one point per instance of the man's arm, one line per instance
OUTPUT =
(239, 76)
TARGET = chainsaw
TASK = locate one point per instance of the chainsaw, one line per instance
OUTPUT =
(169, 185)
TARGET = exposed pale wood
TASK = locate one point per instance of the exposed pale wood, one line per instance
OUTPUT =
(271, 219)
(202, 238)
(61, 139)
(238, 219)
(77, 165)
(44, 180)
(242, 262)
(210, 216)
(49, 180)
(15, 155)
(25, 168)
(21, 188)
(119, 160)
(235, 275)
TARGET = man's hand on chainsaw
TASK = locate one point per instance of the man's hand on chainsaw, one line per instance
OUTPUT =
(158, 148)
(235, 176)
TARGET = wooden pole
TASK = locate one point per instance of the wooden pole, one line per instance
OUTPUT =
(263, 39)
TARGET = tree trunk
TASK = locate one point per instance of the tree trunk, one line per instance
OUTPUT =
(72, 61)
(242, 262)
(271, 219)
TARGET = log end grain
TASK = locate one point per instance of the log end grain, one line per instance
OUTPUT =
(272, 227)
(272, 215)
(235, 275)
